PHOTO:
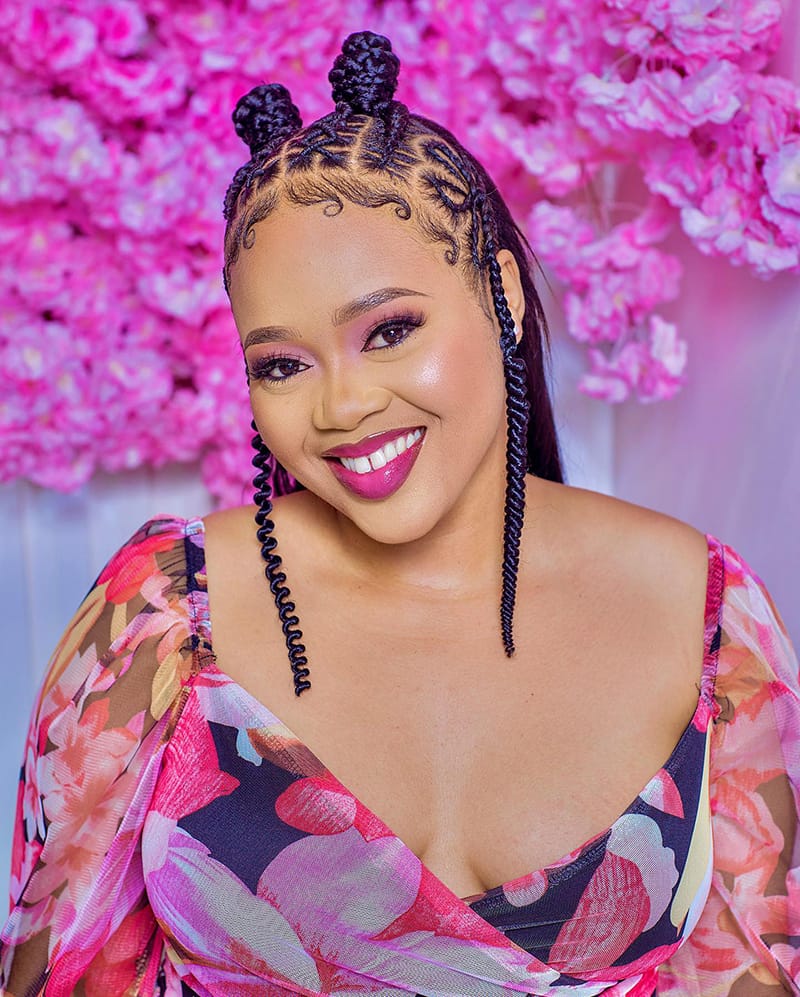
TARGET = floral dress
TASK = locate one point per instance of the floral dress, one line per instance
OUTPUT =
(174, 837)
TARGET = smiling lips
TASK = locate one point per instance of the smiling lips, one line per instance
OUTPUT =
(377, 466)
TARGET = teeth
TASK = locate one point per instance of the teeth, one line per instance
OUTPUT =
(381, 457)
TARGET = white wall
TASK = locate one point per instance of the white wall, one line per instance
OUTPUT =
(726, 456)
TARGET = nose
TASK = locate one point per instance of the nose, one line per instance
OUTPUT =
(346, 396)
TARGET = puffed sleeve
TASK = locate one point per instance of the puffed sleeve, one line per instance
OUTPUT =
(79, 921)
(747, 940)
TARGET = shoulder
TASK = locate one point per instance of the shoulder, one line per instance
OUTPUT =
(298, 510)
(693, 578)
(302, 524)
(131, 602)
(158, 546)
(649, 569)
(653, 550)
(635, 529)
(755, 646)
(107, 705)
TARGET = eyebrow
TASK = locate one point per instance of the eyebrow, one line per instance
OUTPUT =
(347, 313)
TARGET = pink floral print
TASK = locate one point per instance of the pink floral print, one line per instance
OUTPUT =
(174, 837)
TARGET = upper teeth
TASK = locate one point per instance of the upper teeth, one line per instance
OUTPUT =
(381, 457)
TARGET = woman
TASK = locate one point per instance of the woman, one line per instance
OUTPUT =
(190, 822)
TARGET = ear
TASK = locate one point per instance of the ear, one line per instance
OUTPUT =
(512, 287)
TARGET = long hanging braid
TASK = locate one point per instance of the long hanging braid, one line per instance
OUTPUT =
(369, 124)
(265, 465)
(517, 415)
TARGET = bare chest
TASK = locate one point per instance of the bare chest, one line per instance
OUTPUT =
(486, 767)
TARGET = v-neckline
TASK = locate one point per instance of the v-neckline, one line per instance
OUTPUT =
(713, 600)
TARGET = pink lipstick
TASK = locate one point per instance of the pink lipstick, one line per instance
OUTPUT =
(376, 466)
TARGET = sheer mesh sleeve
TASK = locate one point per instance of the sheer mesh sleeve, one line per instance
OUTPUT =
(747, 941)
(79, 921)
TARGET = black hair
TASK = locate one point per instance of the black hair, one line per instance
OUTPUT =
(371, 151)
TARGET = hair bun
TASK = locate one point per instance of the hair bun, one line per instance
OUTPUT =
(364, 76)
(265, 116)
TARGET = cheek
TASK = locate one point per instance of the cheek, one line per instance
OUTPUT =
(457, 379)
(462, 377)
(281, 423)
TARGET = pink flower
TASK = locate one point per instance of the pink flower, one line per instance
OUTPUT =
(123, 27)
(602, 312)
(766, 257)
(664, 100)
(557, 154)
(52, 37)
(697, 30)
(613, 381)
(782, 173)
(721, 220)
(71, 144)
(77, 799)
(560, 235)
(653, 370)
(666, 348)
(117, 149)
(786, 223)
(144, 86)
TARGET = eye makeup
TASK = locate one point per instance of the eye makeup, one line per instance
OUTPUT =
(408, 320)
(266, 368)
(259, 369)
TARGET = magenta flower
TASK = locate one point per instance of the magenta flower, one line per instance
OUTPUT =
(782, 173)
(117, 148)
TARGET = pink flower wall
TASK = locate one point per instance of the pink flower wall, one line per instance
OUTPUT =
(117, 348)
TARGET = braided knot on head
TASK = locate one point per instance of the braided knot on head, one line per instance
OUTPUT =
(364, 75)
(265, 116)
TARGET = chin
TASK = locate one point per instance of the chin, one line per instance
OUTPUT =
(393, 533)
(400, 519)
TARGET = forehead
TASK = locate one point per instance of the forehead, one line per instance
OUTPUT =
(305, 254)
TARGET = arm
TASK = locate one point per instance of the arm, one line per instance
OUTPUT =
(78, 907)
(747, 942)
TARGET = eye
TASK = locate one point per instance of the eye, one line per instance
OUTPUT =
(274, 369)
(394, 332)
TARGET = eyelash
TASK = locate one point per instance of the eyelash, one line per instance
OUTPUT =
(258, 369)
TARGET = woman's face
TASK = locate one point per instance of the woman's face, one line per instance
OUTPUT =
(356, 331)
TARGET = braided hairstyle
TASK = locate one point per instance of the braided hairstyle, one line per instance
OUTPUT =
(371, 151)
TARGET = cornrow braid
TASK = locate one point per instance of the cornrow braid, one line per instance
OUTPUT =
(517, 416)
(382, 149)
(265, 464)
